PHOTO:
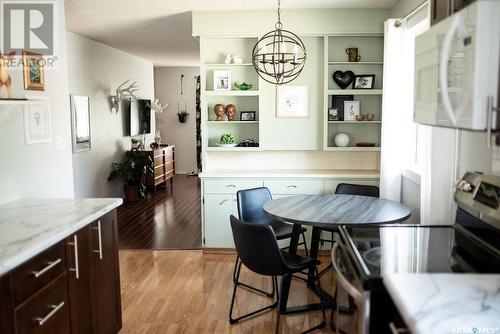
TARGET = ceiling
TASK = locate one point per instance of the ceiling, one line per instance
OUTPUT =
(160, 30)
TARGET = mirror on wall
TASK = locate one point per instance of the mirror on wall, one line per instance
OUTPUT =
(80, 117)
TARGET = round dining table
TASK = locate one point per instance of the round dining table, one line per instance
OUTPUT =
(327, 212)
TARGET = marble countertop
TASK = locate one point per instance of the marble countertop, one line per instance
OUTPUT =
(447, 303)
(30, 226)
(293, 173)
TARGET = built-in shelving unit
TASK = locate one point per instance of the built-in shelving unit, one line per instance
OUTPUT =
(213, 54)
(371, 49)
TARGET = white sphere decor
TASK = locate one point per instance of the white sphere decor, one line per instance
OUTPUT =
(342, 140)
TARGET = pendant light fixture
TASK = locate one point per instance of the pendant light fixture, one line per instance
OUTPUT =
(279, 56)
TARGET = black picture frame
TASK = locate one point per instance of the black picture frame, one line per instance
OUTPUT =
(243, 116)
(338, 103)
(355, 83)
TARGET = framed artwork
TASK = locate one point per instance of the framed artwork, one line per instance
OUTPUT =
(333, 114)
(338, 103)
(222, 80)
(247, 116)
(364, 81)
(80, 121)
(34, 77)
(293, 101)
(351, 110)
(37, 121)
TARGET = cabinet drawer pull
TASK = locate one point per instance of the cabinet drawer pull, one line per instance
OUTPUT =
(223, 201)
(49, 315)
(47, 268)
(395, 330)
(75, 250)
(292, 186)
(231, 186)
(99, 239)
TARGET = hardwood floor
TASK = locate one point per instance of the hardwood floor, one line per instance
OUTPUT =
(190, 292)
(170, 219)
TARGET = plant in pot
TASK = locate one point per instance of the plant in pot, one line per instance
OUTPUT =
(136, 143)
(133, 170)
(182, 116)
(227, 140)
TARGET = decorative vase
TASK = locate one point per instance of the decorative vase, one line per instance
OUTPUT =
(219, 112)
(342, 140)
(230, 111)
(135, 146)
(157, 137)
(182, 117)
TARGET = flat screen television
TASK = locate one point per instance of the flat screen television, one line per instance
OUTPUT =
(139, 112)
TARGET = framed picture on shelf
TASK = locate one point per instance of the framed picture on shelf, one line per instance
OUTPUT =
(351, 110)
(338, 103)
(34, 77)
(37, 122)
(364, 81)
(222, 80)
(333, 114)
(247, 116)
(293, 101)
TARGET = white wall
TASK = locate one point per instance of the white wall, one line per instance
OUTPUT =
(38, 170)
(96, 70)
(182, 135)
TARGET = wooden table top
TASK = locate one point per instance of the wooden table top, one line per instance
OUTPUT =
(327, 210)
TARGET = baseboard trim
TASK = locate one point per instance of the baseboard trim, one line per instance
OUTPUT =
(232, 251)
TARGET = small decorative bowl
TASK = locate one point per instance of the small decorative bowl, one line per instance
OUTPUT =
(359, 117)
(370, 117)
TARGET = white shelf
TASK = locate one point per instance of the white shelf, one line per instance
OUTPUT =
(231, 93)
(354, 122)
(353, 149)
(354, 92)
(228, 65)
(22, 102)
(232, 149)
(355, 63)
(233, 122)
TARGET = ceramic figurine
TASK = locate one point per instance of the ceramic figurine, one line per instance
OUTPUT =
(219, 112)
(228, 59)
(237, 60)
(230, 111)
(5, 79)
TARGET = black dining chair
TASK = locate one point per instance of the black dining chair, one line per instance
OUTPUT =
(250, 203)
(258, 249)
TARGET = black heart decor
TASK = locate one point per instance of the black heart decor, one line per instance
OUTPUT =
(343, 79)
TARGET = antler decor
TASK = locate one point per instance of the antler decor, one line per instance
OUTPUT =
(121, 92)
(157, 107)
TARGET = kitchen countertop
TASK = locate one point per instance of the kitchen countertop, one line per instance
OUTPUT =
(447, 303)
(293, 173)
(30, 226)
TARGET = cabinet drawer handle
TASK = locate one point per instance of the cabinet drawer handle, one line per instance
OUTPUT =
(99, 239)
(75, 250)
(231, 186)
(292, 186)
(47, 268)
(223, 201)
(49, 315)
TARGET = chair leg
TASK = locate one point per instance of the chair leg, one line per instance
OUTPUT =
(305, 243)
(235, 320)
(249, 287)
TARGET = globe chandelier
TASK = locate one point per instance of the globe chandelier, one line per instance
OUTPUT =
(279, 56)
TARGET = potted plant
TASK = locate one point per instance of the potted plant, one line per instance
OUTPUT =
(133, 170)
(135, 143)
(227, 140)
(182, 116)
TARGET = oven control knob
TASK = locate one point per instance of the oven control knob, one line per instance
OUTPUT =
(464, 186)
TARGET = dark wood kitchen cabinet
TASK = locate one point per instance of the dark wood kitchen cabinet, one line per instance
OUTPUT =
(72, 287)
(441, 9)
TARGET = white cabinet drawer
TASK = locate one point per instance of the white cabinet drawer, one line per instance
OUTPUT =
(217, 210)
(330, 186)
(229, 186)
(292, 187)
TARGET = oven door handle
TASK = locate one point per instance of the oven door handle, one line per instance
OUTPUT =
(342, 280)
